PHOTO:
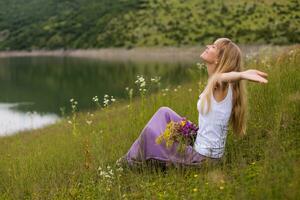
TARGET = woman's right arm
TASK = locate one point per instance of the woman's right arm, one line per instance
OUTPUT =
(251, 75)
(254, 75)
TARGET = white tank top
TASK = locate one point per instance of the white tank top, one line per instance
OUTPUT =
(213, 126)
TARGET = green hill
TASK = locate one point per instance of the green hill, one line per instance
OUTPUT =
(53, 24)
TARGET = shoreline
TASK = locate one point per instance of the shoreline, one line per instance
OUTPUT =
(165, 54)
(116, 54)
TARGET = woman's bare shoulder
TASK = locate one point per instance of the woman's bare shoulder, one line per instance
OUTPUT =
(220, 92)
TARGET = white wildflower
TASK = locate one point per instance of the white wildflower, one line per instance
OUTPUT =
(156, 79)
(89, 122)
(112, 99)
(120, 169)
(95, 99)
(141, 83)
(200, 66)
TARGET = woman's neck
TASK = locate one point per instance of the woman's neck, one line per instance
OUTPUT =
(210, 68)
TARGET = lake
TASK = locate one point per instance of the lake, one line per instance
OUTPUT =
(36, 91)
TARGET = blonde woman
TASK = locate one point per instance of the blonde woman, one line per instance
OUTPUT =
(223, 101)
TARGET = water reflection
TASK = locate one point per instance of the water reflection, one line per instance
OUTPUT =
(50, 82)
(12, 121)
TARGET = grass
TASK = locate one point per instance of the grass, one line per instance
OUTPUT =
(53, 163)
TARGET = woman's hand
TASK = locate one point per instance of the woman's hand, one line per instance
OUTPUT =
(254, 75)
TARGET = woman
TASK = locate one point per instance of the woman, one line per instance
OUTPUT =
(224, 102)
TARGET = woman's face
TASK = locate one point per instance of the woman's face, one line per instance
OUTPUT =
(210, 54)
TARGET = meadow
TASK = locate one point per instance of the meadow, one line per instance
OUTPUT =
(75, 158)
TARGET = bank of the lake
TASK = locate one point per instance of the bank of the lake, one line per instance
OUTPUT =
(138, 54)
(74, 159)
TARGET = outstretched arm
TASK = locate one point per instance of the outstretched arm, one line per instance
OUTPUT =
(251, 75)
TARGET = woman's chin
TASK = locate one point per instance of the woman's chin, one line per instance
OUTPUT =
(203, 58)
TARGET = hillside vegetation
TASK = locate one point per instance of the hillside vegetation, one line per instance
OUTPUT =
(75, 159)
(56, 24)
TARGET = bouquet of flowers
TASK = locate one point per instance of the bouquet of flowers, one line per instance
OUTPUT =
(184, 132)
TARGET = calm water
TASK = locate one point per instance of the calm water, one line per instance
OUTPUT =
(35, 90)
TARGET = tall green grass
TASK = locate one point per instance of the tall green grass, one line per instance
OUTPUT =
(54, 163)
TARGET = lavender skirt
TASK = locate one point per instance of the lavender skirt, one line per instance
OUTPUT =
(145, 148)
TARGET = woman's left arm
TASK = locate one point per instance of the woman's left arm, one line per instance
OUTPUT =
(251, 75)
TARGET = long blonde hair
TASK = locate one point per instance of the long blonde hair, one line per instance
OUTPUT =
(230, 59)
